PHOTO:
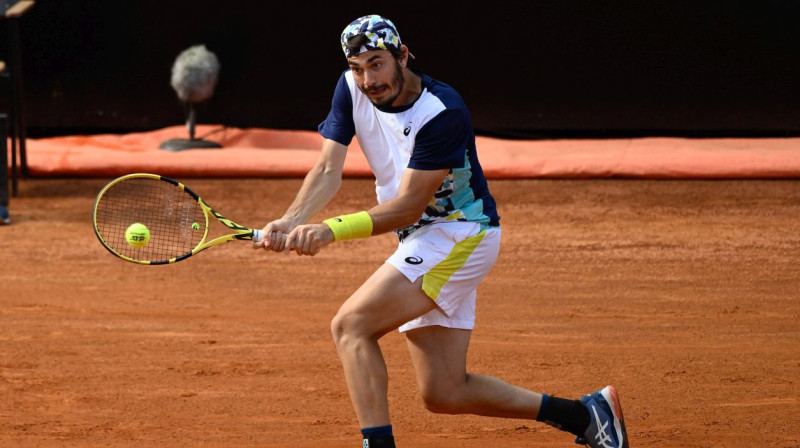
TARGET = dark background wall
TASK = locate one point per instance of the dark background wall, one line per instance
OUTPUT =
(526, 69)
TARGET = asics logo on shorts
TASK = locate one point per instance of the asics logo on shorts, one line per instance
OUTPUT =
(413, 260)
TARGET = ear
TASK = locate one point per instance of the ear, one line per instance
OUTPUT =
(404, 56)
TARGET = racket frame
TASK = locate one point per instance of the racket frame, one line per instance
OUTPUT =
(241, 233)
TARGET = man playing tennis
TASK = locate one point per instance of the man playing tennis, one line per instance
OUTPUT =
(417, 136)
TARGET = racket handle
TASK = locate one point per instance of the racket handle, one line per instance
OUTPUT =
(258, 235)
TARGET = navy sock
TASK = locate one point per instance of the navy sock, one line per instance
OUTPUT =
(378, 437)
(566, 415)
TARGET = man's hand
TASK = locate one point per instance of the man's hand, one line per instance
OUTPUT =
(308, 239)
(275, 234)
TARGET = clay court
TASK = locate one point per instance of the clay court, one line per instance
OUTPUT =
(644, 157)
(681, 293)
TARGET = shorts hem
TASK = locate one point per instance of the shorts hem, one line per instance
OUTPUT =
(442, 322)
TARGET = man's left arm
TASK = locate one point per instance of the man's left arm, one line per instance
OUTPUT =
(417, 188)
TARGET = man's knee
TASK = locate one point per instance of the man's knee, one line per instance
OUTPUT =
(339, 328)
(347, 328)
(441, 400)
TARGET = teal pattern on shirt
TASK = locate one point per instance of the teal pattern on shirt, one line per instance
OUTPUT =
(453, 201)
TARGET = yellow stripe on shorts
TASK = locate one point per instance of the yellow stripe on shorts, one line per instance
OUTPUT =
(433, 281)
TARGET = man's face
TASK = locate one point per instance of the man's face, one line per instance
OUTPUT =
(379, 75)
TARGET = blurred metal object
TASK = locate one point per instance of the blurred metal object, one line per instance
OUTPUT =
(11, 72)
(194, 77)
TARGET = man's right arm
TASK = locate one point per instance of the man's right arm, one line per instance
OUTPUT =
(319, 186)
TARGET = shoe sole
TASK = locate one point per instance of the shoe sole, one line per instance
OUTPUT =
(610, 394)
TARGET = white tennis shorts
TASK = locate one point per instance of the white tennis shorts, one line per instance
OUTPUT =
(452, 258)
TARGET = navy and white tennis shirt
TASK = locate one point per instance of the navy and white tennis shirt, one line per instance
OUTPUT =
(435, 132)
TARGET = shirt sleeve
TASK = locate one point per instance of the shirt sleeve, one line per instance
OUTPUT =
(338, 125)
(442, 142)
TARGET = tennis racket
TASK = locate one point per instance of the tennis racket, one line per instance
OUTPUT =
(175, 217)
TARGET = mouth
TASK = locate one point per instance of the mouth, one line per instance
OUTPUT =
(376, 91)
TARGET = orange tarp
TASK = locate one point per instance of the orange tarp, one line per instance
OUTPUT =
(281, 153)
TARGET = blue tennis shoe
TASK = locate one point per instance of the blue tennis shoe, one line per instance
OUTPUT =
(4, 216)
(606, 425)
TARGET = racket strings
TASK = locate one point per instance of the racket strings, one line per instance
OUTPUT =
(175, 219)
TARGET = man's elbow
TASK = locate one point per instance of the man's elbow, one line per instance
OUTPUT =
(331, 171)
(411, 215)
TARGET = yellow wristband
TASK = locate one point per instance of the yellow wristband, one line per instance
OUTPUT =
(348, 227)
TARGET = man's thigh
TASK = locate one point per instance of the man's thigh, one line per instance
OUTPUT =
(385, 301)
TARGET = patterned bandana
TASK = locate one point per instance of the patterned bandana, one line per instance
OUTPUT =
(379, 33)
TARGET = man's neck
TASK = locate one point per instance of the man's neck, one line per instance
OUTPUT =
(412, 88)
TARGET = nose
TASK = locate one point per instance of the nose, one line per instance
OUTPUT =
(369, 79)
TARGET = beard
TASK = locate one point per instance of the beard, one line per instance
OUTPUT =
(395, 86)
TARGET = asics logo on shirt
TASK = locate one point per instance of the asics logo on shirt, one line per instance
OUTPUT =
(407, 130)
(603, 438)
(413, 260)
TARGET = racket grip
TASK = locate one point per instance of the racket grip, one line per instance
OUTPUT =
(258, 235)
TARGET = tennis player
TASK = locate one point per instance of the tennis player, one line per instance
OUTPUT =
(417, 136)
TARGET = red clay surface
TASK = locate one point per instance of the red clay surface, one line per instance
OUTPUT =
(683, 294)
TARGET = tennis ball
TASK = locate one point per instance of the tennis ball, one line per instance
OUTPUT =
(137, 235)
(195, 226)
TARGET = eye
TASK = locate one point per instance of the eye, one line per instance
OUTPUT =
(356, 70)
